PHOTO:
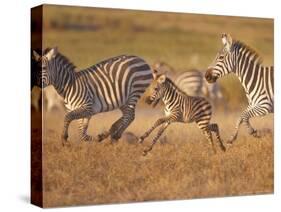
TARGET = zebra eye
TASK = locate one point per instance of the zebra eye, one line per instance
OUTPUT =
(221, 57)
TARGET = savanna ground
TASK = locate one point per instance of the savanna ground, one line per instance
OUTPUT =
(182, 164)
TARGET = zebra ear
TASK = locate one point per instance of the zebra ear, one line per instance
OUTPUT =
(162, 78)
(36, 55)
(52, 53)
(226, 40)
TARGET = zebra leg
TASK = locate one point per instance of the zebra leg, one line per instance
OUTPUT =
(259, 110)
(206, 128)
(209, 137)
(118, 127)
(121, 125)
(78, 113)
(250, 112)
(156, 124)
(234, 136)
(155, 139)
(215, 128)
(83, 126)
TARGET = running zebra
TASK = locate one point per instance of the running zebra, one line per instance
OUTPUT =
(193, 83)
(179, 107)
(117, 82)
(256, 79)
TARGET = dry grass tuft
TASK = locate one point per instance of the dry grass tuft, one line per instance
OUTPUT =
(184, 166)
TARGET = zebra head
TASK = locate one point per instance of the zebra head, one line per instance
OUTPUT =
(43, 67)
(157, 89)
(222, 64)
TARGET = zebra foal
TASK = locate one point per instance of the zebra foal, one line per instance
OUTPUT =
(256, 79)
(115, 83)
(179, 107)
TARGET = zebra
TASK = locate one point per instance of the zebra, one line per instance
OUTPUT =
(257, 80)
(115, 83)
(179, 107)
(193, 83)
(163, 67)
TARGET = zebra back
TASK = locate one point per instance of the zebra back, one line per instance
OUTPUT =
(191, 82)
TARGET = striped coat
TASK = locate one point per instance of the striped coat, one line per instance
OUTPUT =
(115, 83)
(256, 79)
(179, 107)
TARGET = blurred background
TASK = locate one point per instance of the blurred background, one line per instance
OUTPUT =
(183, 41)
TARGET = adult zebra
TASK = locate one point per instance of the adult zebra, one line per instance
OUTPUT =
(179, 107)
(117, 82)
(191, 82)
(256, 79)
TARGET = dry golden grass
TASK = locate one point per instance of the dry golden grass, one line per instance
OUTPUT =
(179, 167)
(183, 164)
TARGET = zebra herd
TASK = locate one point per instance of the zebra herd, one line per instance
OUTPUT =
(193, 83)
(119, 82)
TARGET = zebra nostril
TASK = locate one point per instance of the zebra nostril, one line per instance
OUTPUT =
(208, 74)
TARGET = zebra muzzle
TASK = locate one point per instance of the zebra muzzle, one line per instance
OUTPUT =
(150, 101)
(209, 77)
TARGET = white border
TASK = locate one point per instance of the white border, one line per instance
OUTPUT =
(14, 82)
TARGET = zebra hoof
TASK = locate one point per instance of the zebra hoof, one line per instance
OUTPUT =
(140, 140)
(144, 153)
(115, 137)
(65, 143)
(255, 134)
(223, 148)
(64, 140)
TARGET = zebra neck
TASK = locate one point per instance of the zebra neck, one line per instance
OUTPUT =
(63, 79)
(171, 92)
(249, 73)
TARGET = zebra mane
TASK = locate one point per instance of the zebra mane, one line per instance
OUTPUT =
(175, 86)
(240, 45)
(63, 58)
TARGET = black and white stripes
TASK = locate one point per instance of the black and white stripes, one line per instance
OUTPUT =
(114, 83)
(179, 107)
(193, 83)
(256, 79)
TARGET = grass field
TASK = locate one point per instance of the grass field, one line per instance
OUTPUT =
(182, 165)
